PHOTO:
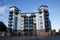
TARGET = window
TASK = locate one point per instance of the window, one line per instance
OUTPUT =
(41, 27)
(30, 25)
(26, 19)
(41, 30)
(34, 19)
(15, 27)
(46, 17)
(25, 25)
(45, 11)
(22, 20)
(41, 23)
(40, 16)
(40, 11)
(25, 30)
(40, 19)
(16, 12)
(11, 15)
(47, 21)
(47, 29)
(22, 25)
(11, 12)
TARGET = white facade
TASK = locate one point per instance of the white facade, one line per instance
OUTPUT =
(39, 19)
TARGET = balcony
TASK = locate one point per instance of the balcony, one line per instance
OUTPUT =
(33, 15)
(30, 22)
(30, 18)
(46, 25)
(47, 21)
(25, 25)
(10, 21)
(30, 25)
(10, 18)
(25, 19)
(11, 12)
(40, 12)
(25, 22)
(28, 28)
(16, 12)
(10, 15)
(47, 29)
(10, 24)
(23, 15)
(46, 17)
(46, 14)
(25, 30)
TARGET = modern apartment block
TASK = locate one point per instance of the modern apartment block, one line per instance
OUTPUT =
(37, 23)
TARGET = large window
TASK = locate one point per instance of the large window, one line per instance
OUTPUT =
(34, 19)
(15, 27)
(25, 18)
(25, 25)
(11, 12)
(40, 16)
(40, 11)
(40, 19)
(41, 23)
(41, 28)
(45, 11)
(16, 12)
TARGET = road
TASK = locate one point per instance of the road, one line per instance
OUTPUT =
(31, 38)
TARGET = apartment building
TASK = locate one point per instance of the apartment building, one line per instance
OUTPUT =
(35, 23)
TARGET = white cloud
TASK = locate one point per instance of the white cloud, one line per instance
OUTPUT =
(1, 17)
(2, 9)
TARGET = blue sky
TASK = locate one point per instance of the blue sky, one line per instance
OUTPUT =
(32, 6)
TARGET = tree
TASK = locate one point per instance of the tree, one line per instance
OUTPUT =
(54, 30)
(59, 30)
(3, 27)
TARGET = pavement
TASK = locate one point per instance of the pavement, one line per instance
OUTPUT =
(57, 37)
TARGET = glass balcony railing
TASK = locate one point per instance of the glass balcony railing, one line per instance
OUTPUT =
(23, 15)
(47, 20)
(33, 15)
(25, 25)
(25, 19)
(10, 24)
(11, 12)
(46, 14)
(10, 21)
(25, 22)
(10, 18)
(30, 19)
(31, 22)
(30, 25)
(29, 28)
(10, 15)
